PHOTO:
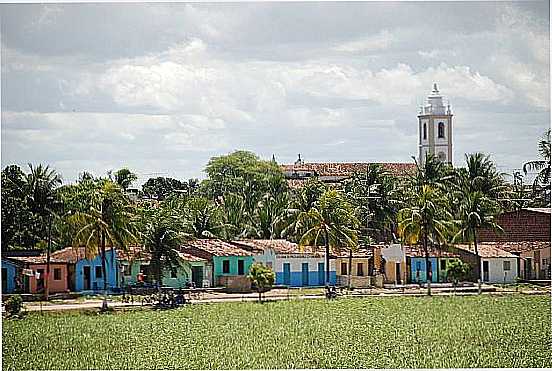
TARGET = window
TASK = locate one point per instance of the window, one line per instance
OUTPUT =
(506, 265)
(544, 262)
(143, 268)
(57, 274)
(360, 269)
(343, 268)
(99, 271)
(443, 264)
(241, 267)
(125, 270)
(173, 273)
(425, 131)
(226, 266)
(441, 130)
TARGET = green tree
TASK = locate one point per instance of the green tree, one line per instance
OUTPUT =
(262, 277)
(330, 222)
(123, 177)
(425, 219)
(161, 236)
(107, 221)
(457, 270)
(374, 195)
(20, 227)
(160, 188)
(475, 211)
(541, 183)
(202, 217)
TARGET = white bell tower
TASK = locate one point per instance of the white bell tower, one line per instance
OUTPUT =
(435, 129)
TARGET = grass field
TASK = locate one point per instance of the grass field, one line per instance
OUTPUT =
(398, 332)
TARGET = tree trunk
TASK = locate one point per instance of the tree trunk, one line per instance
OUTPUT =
(260, 294)
(327, 259)
(49, 248)
(428, 270)
(477, 258)
(104, 270)
(350, 267)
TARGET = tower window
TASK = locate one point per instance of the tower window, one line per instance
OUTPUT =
(441, 130)
(425, 131)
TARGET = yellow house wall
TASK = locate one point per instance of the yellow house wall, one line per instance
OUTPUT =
(355, 262)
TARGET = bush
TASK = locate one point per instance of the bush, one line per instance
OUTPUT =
(457, 270)
(14, 305)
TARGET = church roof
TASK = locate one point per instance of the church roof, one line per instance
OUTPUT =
(339, 169)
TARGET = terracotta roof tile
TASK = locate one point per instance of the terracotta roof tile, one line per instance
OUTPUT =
(417, 251)
(189, 257)
(279, 246)
(213, 247)
(486, 250)
(519, 246)
(73, 254)
(38, 259)
(345, 169)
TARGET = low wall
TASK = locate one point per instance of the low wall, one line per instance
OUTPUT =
(235, 283)
(359, 282)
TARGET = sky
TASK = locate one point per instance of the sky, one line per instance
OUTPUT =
(162, 88)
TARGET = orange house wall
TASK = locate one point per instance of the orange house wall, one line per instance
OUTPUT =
(55, 285)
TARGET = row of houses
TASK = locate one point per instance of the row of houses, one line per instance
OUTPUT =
(522, 251)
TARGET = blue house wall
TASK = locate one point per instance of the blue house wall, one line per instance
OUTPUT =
(8, 281)
(419, 265)
(97, 283)
(296, 279)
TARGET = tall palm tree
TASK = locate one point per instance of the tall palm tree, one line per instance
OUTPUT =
(542, 180)
(475, 211)
(330, 221)
(108, 221)
(425, 219)
(41, 184)
(161, 236)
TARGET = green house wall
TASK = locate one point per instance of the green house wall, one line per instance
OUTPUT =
(218, 261)
(183, 273)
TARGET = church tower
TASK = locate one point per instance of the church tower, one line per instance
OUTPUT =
(435, 129)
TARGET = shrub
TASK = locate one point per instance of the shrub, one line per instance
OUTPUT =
(262, 277)
(457, 270)
(14, 305)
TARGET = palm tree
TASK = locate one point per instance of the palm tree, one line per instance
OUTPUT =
(330, 221)
(123, 177)
(425, 219)
(202, 217)
(542, 180)
(475, 211)
(107, 221)
(40, 185)
(161, 237)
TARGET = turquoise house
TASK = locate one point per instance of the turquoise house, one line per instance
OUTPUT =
(228, 263)
(418, 270)
(135, 263)
(9, 272)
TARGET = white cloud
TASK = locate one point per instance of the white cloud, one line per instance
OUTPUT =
(379, 41)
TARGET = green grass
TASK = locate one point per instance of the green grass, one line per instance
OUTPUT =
(397, 332)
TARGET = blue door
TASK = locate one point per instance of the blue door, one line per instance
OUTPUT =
(287, 275)
(321, 274)
(305, 274)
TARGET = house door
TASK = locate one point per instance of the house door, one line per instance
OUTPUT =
(321, 274)
(86, 273)
(398, 272)
(528, 268)
(485, 271)
(197, 276)
(287, 274)
(4, 280)
(305, 274)
(241, 270)
(40, 281)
